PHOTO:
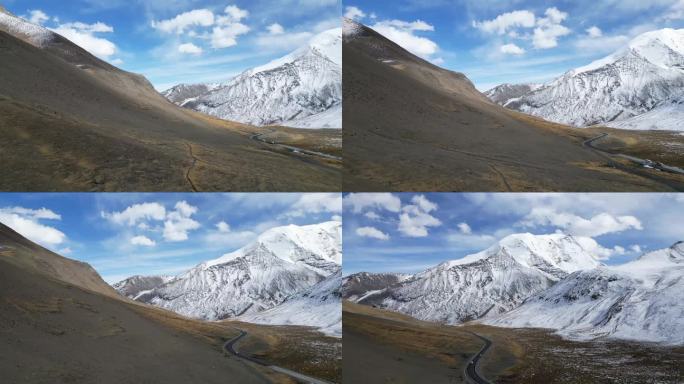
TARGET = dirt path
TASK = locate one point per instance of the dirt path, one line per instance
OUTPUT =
(187, 173)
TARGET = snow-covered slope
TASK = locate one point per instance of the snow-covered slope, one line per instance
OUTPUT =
(319, 306)
(281, 262)
(487, 283)
(667, 115)
(641, 300)
(636, 79)
(133, 286)
(504, 93)
(293, 90)
(357, 286)
(33, 34)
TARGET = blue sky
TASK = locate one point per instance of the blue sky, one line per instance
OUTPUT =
(122, 234)
(405, 232)
(176, 41)
(514, 41)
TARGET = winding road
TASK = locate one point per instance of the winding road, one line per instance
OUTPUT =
(678, 186)
(231, 345)
(258, 137)
(471, 372)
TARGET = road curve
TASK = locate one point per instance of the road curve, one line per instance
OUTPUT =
(676, 186)
(230, 347)
(471, 372)
(257, 137)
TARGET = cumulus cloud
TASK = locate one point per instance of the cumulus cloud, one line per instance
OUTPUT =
(316, 203)
(224, 37)
(550, 29)
(183, 21)
(136, 213)
(190, 48)
(372, 215)
(83, 35)
(573, 224)
(175, 223)
(359, 202)
(415, 219)
(36, 16)
(233, 13)
(27, 223)
(179, 222)
(504, 22)
(594, 31)
(403, 33)
(143, 240)
(464, 228)
(275, 29)
(511, 49)
(354, 13)
(223, 227)
(372, 232)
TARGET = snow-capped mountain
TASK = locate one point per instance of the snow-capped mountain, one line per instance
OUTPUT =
(33, 34)
(301, 89)
(280, 263)
(487, 283)
(134, 286)
(357, 286)
(640, 300)
(504, 93)
(319, 306)
(647, 75)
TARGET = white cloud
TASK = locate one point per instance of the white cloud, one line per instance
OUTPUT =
(464, 228)
(573, 224)
(65, 251)
(361, 201)
(224, 37)
(316, 203)
(36, 16)
(502, 23)
(549, 29)
(354, 13)
(372, 215)
(26, 222)
(511, 49)
(137, 213)
(372, 233)
(116, 61)
(143, 240)
(594, 31)
(336, 218)
(178, 25)
(275, 29)
(223, 227)
(635, 248)
(190, 48)
(178, 223)
(83, 35)
(415, 219)
(676, 12)
(402, 33)
(235, 13)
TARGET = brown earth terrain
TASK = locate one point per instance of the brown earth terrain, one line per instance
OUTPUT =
(61, 323)
(70, 122)
(382, 346)
(412, 126)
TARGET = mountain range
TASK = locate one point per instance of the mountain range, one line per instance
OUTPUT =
(302, 89)
(543, 281)
(640, 86)
(270, 280)
(90, 126)
(437, 132)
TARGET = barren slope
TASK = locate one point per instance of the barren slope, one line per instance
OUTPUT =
(71, 122)
(409, 125)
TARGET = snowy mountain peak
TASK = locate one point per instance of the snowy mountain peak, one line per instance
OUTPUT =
(302, 89)
(318, 246)
(281, 262)
(555, 254)
(350, 27)
(640, 86)
(23, 29)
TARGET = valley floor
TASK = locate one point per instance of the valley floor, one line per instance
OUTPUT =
(383, 346)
